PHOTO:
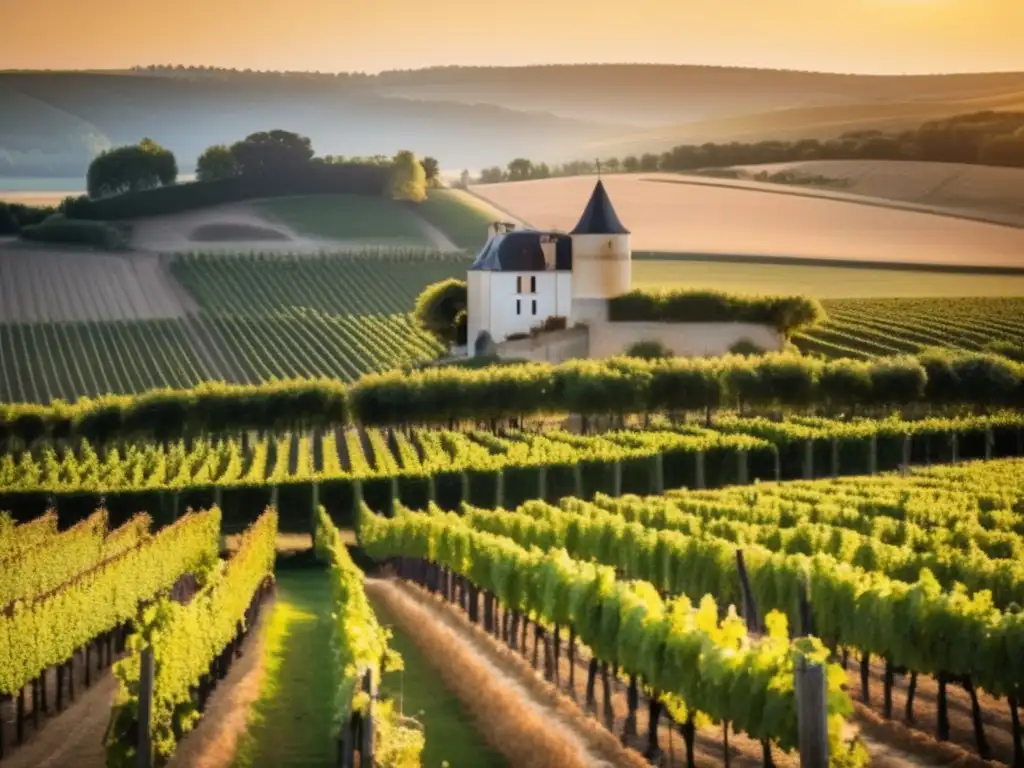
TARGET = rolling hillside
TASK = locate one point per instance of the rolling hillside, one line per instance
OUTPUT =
(53, 123)
(668, 213)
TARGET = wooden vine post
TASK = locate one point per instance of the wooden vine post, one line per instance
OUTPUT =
(812, 714)
(144, 747)
(367, 744)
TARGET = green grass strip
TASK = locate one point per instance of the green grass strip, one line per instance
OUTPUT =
(290, 722)
(451, 738)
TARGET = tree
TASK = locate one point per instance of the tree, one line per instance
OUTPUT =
(8, 224)
(271, 152)
(649, 162)
(216, 162)
(131, 168)
(438, 307)
(408, 179)
(432, 171)
(520, 169)
(492, 175)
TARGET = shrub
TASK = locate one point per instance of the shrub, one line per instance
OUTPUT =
(438, 308)
(310, 179)
(551, 323)
(746, 348)
(787, 314)
(26, 215)
(648, 350)
(58, 229)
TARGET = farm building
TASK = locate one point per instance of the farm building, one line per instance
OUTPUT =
(544, 295)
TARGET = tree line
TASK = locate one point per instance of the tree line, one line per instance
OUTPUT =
(142, 180)
(978, 138)
(936, 381)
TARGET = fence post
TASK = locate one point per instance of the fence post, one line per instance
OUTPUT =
(835, 457)
(812, 714)
(701, 480)
(144, 748)
(659, 472)
(808, 459)
(873, 456)
(273, 496)
(990, 440)
(742, 467)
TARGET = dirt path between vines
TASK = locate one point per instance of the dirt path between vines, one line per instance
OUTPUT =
(510, 712)
(214, 741)
(75, 736)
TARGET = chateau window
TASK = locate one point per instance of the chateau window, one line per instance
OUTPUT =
(535, 306)
(519, 284)
(519, 306)
(533, 286)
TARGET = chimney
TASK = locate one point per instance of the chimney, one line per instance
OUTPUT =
(547, 246)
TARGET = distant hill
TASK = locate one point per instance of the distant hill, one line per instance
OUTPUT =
(52, 123)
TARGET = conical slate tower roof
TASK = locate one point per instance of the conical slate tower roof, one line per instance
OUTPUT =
(599, 217)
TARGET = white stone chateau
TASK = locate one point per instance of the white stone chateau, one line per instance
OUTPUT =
(522, 277)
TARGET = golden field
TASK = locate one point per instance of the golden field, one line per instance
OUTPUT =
(675, 214)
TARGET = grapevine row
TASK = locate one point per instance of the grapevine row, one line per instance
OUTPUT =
(38, 570)
(681, 650)
(186, 640)
(913, 624)
(46, 632)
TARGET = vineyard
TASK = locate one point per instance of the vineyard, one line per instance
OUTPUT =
(864, 328)
(342, 468)
(386, 281)
(863, 564)
(648, 607)
(249, 319)
(253, 318)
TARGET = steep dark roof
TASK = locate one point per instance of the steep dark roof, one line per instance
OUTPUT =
(520, 251)
(599, 217)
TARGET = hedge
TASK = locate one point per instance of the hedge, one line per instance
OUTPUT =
(312, 179)
(784, 313)
(57, 229)
(619, 386)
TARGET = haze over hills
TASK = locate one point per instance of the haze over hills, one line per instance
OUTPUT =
(52, 123)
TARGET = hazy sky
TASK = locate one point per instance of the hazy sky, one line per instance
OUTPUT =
(370, 35)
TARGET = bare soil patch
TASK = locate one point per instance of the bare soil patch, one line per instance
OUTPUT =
(218, 233)
(73, 737)
(39, 284)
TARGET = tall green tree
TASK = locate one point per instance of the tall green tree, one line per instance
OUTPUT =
(408, 179)
(131, 168)
(271, 152)
(216, 162)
